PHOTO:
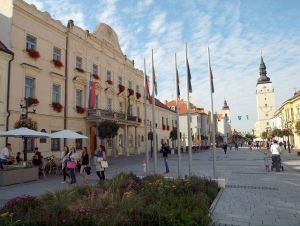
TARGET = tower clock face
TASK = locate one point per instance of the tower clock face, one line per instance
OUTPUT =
(266, 109)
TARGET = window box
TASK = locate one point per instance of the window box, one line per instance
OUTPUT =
(57, 63)
(80, 110)
(168, 128)
(121, 88)
(138, 95)
(33, 53)
(30, 101)
(57, 106)
(95, 76)
(164, 127)
(109, 82)
(79, 70)
(130, 92)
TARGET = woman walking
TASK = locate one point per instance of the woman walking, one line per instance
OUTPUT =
(84, 164)
(64, 163)
(71, 165)
(99, 158)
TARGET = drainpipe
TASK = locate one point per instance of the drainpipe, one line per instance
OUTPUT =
(8, 92)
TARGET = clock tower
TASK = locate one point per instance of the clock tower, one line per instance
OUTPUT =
(265, 100)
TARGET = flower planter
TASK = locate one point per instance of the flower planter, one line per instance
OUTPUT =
(138, 95)
(95, 76)
(33, 53)
(80, 110)
(18, 175)
(30, 101)
(57, 106)
(79, 70)
(109, 82)
(121, 88)
(57, 63)
(130, 92)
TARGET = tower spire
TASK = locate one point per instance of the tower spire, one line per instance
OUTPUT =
(263, 78)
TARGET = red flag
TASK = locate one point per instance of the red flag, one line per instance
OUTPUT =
(92, 94)
(147, 88)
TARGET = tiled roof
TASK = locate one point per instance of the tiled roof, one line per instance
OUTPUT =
(182, 107)
(160, 104)
(5, 49)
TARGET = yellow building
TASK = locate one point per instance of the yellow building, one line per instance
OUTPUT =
(288, 115)
(53, 67)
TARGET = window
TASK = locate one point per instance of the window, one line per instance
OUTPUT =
(78, 97)
(29, 87)
(108, 76)
(109, 104)
(130, 141)
(266, 105)
(120, 140)
(167, 123)
(120, 80)
(55, 93)
(95, 69)
(130, 84)
(97, 102)
(55, 143)
(56, 53)
(78, 142)
(137, 89)
(267, 123)
(43, 140)
(130, 112)
(78, 62)
(162, 121)
(138, 111)
(121, 107)
(29, 144)
(30, 42)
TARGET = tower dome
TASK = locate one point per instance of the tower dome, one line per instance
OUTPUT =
(263, 78)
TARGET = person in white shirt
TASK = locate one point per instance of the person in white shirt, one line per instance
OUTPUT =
(276, 160)
(4, 153)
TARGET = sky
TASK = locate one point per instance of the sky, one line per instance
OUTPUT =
(237, 32)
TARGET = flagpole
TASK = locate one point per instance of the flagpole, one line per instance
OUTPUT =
(188, 114)
(153, 118)
(212, 117)
(177, 120)
(145, 120)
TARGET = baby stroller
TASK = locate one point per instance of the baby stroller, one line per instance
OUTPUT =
(276, 163)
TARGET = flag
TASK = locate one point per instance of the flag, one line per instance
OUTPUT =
(189, 75)
(247, 117)
(92, 94)
(147, 88)
(239, 117)
(211, 80)
(153, 77)
(177, 82)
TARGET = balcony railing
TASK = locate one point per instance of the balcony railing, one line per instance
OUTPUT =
(102, 114)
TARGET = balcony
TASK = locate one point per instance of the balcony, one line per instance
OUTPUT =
(96, 115)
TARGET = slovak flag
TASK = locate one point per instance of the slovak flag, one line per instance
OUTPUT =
(92, 94)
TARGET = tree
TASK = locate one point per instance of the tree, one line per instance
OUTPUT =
(107, 129)
(249, 136)
(173, 134)
(297, 127)
(277, 132)
(264, 135)
(287, 132)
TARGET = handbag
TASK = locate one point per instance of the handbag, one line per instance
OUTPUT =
(104, 164)
(71, 165)
(87, 170)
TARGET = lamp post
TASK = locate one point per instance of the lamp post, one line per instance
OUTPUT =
(23, 116)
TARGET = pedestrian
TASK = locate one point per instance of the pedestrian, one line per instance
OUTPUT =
(276, 160)
(236, 146)
(100, 159)
(4, 154)
(165, 151)
(64, 160)
(18, 158)
(267, 162)
(37, 158)
(225, 148)
(84, 164)
(284, 145)
(71, 165)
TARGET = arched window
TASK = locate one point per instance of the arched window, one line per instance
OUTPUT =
(78, 142)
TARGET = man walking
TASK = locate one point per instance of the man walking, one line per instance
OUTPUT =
(225, 148)
(165, 151)
(276, 160)
(4, 153)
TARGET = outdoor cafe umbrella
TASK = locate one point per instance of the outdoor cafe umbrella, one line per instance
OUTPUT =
(68, 134)
(25, 133)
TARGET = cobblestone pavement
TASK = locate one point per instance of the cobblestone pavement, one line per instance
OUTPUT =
(252, 196)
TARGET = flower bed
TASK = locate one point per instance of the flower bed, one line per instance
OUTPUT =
(123, 200)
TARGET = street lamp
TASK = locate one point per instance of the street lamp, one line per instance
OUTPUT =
(23, 116)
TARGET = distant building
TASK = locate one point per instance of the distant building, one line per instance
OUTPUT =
(223, 122)
(265, 101)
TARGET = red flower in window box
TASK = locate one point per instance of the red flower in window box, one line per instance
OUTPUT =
(109, 82)
(79, 69)
(95, 76)
(57, 63)
(163, 127)
(138, 95)
(57, 106)
(33, 53)
(139, 120)
(80, 110)
(31, 101)
(121, 88)
(130, 92)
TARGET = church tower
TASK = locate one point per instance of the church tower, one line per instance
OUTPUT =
(226, 110)
(265, 100)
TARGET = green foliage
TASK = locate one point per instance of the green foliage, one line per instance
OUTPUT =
(28, 123)
(107, 129)
(264, 135)
(124, 200)
(277, 132)
(249, 136)
(287, 132)
(297, 127)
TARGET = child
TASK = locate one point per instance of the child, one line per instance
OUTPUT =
(267, 162)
